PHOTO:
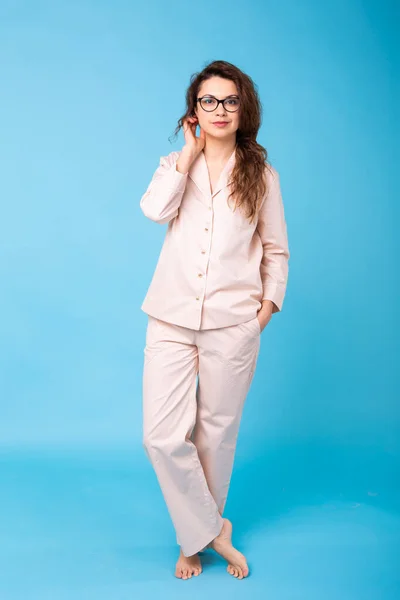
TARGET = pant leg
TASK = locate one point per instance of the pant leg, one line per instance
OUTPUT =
(227, 361)
(169, 412)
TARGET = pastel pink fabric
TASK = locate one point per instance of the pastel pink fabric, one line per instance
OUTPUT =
(190, 432)
(214, 268)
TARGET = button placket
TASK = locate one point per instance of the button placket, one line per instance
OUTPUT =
(201, 290)
(207, 229)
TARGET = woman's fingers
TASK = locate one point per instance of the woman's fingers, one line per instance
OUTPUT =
(188, 132)
(189, 128)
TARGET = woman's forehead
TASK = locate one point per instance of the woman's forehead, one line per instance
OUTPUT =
(218, 87)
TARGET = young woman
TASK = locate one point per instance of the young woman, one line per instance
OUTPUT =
(221, 274)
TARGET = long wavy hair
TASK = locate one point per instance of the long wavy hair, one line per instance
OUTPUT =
(248, 181)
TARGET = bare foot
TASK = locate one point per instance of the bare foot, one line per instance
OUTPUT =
(188, 566)
(223, 545)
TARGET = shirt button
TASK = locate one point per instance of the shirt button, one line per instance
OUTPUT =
(197, 298)
(203, 251)
(200, 275)
(205, 228)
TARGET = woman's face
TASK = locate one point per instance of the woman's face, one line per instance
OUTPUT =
(218, 88)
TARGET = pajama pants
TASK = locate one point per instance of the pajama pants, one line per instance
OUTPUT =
(194, 387)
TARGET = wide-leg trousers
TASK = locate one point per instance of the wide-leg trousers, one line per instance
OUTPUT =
(194, 387)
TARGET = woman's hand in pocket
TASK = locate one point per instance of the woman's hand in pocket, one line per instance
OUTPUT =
(265, 313)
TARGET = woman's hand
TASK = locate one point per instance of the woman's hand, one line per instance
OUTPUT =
(194, 143)
(265, 313)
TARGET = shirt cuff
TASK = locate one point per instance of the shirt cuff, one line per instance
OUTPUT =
(276, 294)
(175, 180)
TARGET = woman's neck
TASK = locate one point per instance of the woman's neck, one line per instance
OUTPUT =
(218, 151)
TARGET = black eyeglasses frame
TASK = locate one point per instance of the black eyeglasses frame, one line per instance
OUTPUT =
(219, 102)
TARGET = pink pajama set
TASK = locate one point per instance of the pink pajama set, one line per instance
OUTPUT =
(203, 334)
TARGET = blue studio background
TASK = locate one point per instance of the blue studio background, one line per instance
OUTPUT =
(91, 91)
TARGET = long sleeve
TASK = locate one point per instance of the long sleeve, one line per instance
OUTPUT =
(162, 199)
(273, 232)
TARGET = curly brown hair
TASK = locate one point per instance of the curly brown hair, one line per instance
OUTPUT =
(248, 182)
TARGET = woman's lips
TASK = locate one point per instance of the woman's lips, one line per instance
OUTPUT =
(222, 124)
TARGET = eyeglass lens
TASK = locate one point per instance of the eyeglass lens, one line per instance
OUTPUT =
(209, 103)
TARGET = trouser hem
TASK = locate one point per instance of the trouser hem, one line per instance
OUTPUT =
(201, 543)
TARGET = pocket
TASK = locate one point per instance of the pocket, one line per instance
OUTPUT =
(257, 322)
(254, 325)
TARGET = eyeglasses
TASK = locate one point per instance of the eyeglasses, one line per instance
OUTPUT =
(210, 103)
